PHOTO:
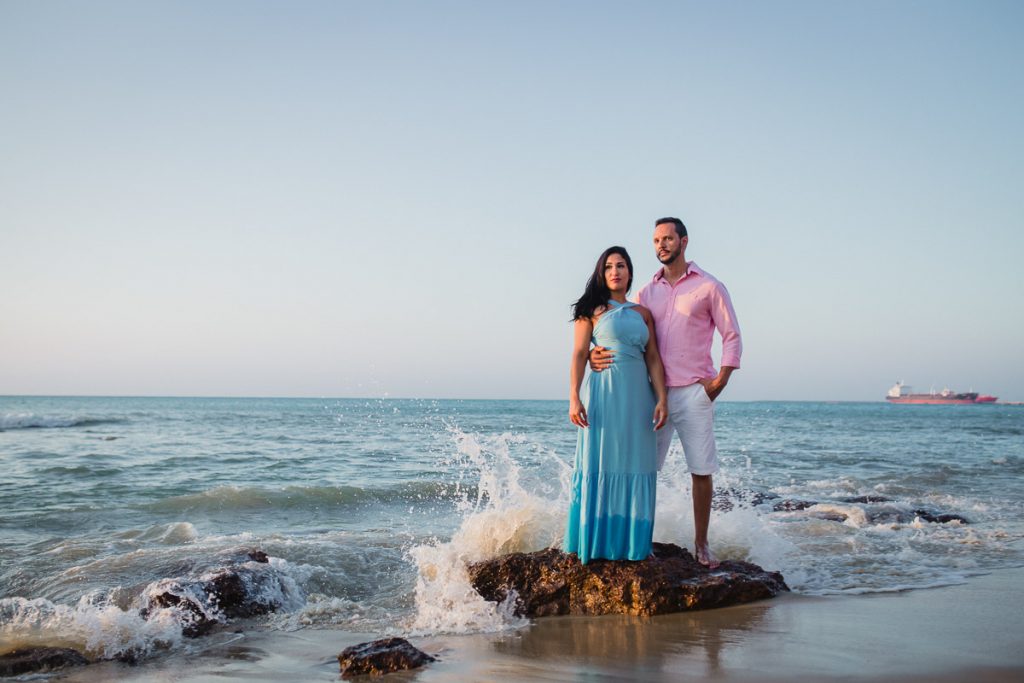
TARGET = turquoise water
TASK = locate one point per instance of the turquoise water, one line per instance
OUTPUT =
(370, 509)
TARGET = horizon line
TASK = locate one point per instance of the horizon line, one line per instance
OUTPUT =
(398, 398)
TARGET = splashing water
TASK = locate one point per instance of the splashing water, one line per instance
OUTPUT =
(512, 512)
(504, 518)
(98, 629)
(742, 532)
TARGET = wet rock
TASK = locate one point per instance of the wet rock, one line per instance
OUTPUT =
(830, 515)
(876, 514)
(39, 660)
(864, 500)
(257, 555)
(550, 582)
(380, 657)
(789, 505)
(194, 619)
(232, 592)
(939, 517)
(726, 499)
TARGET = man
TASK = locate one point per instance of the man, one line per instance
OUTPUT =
(688, 305)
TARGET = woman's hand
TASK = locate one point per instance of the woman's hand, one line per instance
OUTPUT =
(577, 413)
(660, 415)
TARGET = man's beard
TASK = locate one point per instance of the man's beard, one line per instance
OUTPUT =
(670, 259)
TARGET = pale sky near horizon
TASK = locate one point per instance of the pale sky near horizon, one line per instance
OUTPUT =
(402, 198)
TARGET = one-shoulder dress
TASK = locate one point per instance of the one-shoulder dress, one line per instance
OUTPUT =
(611, 514)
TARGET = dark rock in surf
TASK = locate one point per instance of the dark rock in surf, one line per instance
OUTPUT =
(39, 660)
(830, 515)
(864, 500)
(380, 657)
(939, 517)
(233, 592)
(550, 582)
(725, 500)
(895, 514)
(257, 555)
(792, 505)
(194, 619)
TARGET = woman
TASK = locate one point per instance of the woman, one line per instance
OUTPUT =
(611, 514)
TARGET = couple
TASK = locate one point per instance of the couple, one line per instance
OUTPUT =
(652, 368)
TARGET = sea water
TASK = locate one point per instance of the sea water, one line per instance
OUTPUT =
(370, 509)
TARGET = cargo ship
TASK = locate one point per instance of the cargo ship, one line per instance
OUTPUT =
(901, 393)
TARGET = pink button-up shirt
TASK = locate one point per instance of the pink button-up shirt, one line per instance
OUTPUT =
(686, 315)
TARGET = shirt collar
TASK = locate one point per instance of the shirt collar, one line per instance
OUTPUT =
(691, 269)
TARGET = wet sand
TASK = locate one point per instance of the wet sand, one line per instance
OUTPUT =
(973, 632)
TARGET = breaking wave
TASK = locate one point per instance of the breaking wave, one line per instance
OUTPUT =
(10, 421)
(121, 623)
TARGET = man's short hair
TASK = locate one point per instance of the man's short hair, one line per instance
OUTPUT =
(680, 228)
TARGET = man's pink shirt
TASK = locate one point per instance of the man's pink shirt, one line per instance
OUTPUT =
(686, 315)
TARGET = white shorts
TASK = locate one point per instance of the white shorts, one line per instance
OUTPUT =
(691, 415)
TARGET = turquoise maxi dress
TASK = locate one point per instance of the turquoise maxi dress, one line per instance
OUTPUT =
(611, 514)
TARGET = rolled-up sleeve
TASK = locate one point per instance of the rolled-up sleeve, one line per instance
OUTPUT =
(724, 316)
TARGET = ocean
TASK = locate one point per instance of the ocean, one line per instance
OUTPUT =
(369, 509)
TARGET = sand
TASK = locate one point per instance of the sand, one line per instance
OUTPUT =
(972, 632)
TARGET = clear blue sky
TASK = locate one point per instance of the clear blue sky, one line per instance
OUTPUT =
(402, 198)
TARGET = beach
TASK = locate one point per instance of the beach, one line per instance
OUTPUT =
(972, 632)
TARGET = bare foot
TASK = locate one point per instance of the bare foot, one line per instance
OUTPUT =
(706, 558)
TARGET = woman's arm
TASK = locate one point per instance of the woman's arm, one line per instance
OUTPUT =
(656, 371)
(583, 329)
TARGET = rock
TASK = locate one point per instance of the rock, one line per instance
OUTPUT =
(725, 500)
(886, 514)
(257, 555)
(229, 593)
(39, 659)
(864, 500)
(550, 582)
(194, 619)
(380, 657)
(232, 590)
(792, 505)
(939, 517)
(830, 515)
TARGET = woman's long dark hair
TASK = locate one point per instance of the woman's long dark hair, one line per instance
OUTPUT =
(597, 294)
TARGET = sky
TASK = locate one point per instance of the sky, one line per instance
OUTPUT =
(402, 199)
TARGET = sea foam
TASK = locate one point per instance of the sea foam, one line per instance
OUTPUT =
(94, 626)
(510, 514)
(504, 517)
